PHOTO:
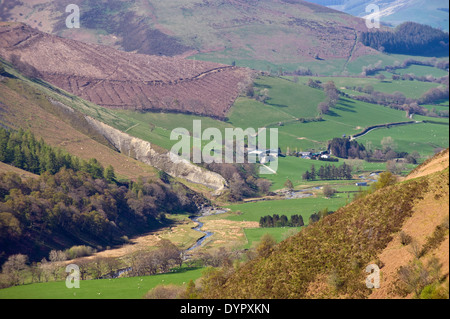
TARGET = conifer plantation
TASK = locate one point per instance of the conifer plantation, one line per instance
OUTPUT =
(74, 202)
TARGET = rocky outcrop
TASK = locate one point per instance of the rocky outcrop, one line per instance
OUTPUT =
(172, 164)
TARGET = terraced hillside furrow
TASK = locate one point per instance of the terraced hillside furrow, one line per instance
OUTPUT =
(256, 34)
(122, 80)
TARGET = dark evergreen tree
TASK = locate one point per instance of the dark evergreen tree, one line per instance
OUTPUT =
(110, 175)
(313, 173)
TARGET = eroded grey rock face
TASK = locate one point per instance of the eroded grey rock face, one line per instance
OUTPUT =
(172, 164)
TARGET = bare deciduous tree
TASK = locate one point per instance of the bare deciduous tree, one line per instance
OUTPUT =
(13, 268)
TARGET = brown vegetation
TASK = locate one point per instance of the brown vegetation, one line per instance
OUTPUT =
(328, 259)
(30, 109)
(117, 79)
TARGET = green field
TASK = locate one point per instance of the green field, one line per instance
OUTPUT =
(423, 137)
(422, 70)
(303, 206)
(287, 101)
(442, 106)
(120, 288)
(348, 117)
(292, 168)
(355, 66)
(411, 89)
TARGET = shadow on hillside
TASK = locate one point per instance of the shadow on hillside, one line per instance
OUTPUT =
(333, 113)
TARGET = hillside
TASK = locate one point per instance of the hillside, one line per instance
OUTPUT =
(121, 80)
(435, 164)
(426, 229)
(97, 212)
(264, 32)
(30, 108)
(328, 259)
(4, 168)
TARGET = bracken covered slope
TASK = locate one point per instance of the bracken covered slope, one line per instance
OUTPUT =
(267, 31)
(117, 79)
(328, 259)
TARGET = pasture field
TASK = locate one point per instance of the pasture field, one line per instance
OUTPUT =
(292, 168)
(347, 118)
(422, 70)
(423, 138)
(355, 66)
(303, 206)
(443, 106)
(120, 288)
(411, 89)
(286, 102)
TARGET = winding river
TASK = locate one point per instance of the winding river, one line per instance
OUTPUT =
(196, 219)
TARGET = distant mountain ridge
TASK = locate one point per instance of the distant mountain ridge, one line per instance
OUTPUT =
(395, 12)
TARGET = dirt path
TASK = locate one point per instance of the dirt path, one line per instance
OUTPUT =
(351, 53)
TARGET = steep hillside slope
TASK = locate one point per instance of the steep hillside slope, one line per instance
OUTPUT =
(272, 32)
(435, 164)
(423, 237)
(24, 106)
(4, 168)
(58, 118)
(329, 258)
(116, 79)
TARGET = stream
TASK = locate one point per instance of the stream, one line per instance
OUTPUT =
(208, 211)
(199, 229)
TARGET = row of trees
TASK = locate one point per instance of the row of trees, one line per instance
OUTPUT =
(331, 92)
(281, 221)
(328, 172)
(397, 100)
(18, 269)
(22, 150)
(372, 69)
(295, 221)
(344, 148)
